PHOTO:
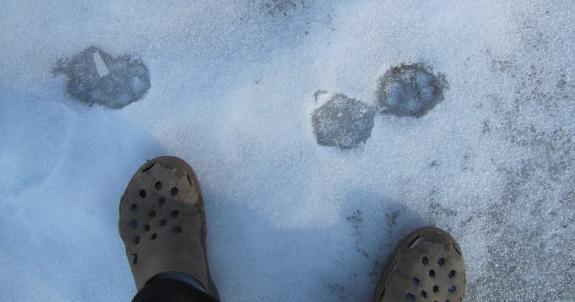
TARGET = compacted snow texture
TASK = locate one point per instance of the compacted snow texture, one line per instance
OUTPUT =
(480, 142)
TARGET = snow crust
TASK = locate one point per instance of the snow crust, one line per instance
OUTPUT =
(232, 92)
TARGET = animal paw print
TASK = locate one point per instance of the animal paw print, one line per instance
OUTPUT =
(342, 122)
(407, 90)
(95, 77)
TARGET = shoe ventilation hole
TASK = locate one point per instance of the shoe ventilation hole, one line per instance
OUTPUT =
(137, 239)
(424, 294)
(414, 243)
(415, 281)
(163, 222)
(154, 236)
(175, 214)
(134, 259)
(451, 274)
(143, 193)
(158, 186)
(161, 200)
(435, 288)
(452, 289)
(177, 230)
(152, 214)
(431, 273)
(174, 191)
(135, 224)
(409, 297)
(425, 260)
(147, 228)
(441, 261)
(135, 208)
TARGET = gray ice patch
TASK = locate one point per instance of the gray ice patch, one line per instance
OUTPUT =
(409, 90)
(343, 122)
(94, 77)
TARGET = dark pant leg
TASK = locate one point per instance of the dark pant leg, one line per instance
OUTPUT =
(169, 290)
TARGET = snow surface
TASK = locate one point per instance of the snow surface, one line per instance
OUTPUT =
(232, 92)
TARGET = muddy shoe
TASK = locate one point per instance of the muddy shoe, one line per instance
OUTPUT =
(162, 223)
(426, 266)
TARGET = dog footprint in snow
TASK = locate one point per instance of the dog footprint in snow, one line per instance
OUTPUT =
(409, 90)
(95, 77)
(343, 122)
(404, 91)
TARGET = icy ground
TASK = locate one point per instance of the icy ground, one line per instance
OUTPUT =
(233, 88)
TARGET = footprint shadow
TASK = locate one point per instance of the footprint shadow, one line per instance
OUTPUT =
(343, 260)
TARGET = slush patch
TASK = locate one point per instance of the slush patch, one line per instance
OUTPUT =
(342, 122)
(409, 90)
(94, 77)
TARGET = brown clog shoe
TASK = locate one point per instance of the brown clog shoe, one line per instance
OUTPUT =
(427, 265)
(163, 224)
